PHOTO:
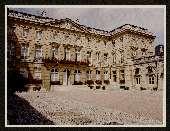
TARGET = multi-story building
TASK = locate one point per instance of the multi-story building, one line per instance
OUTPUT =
(51, 52)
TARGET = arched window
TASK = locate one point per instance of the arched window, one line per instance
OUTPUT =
(97, 75)
(54, 75)
(89, 75)
(77, 75)
(106, 75)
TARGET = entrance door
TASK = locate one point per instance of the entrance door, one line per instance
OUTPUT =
(66, 77)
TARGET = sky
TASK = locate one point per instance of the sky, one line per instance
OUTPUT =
(109, 18)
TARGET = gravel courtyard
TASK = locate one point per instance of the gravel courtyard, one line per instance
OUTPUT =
(82, 106)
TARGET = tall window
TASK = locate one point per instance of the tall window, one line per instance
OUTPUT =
(122, 58)
(106, 57)
(97, 75)
(89, 57)
(106, 76)
(78, 56)
(114, 76)
(10, 50)
(24, 51)
(151, 79)
(97, 56)
(54, 75)
(37, 72)
(38, 52)
(38, 35)
(54, 52)
(77, 75)
(138, 80)
(67, 54)
(114, 58)
(89, 75)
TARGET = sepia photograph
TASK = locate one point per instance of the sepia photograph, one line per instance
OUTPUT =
(85, 66)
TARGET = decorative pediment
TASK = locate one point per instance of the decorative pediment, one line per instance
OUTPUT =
(68, 24)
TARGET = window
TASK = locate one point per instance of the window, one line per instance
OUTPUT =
(89, 58)
(106, 76)
(137, 71)
(67, 54)
(97, 55)
(25, 32)
(114, 76)
(54, 52)
(137, 80)
(151, 79)
(97, 75)
(106, 57)
(10, 50)
(114, 58)
(24, 51)
(150, 70)
(89, 75)
(54, 75)
(113, 43)
(78, 56)
(122, 75)
(23, 72)
(38, 52)
(37, 72)
(39, 35)
(77, 75)
(122, 58)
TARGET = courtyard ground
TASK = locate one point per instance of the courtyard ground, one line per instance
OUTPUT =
(84, 106)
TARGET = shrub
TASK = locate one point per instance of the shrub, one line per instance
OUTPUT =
(107, 82)
(90, 82)
(126, 88)
(99, 82)
(122, 87)
(103, 87)
(155, 88)
(91, 87)
(97, 87)
(142, 88)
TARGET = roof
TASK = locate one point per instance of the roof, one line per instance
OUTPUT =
(79, 27)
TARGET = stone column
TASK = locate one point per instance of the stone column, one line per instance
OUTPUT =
(128, 76)
(46, 78)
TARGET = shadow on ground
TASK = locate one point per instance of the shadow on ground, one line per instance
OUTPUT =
(19, 111)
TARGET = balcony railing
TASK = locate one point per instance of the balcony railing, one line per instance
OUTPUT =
(52, 61)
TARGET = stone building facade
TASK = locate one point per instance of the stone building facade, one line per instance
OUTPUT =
(54, 52)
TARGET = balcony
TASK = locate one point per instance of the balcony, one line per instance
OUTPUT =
(52, 61)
